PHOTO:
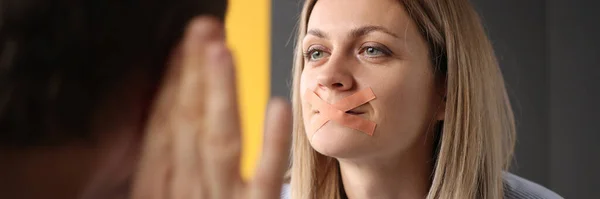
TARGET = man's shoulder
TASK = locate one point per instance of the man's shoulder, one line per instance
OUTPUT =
(516, 187)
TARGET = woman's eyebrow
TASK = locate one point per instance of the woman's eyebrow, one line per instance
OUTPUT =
(355, 33)
(365, 30)
(318, 33)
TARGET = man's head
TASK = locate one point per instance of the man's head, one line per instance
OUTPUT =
(72, 72)
(59, 58)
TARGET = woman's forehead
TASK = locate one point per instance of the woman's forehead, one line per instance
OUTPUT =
(345, 15)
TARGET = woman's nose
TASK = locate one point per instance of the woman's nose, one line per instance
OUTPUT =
(335, 78)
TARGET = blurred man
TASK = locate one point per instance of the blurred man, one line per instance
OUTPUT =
(85, 84)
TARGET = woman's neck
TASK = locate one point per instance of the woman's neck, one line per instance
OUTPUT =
(405, 176)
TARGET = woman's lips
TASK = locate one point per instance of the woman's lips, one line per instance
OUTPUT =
(351, 112)
(355, 112)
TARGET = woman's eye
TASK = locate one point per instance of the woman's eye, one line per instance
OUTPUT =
(373, 52)
(316, 55)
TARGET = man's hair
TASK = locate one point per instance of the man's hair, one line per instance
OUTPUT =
(59, 57)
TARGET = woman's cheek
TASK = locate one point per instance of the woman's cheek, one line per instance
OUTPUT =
(387, 108)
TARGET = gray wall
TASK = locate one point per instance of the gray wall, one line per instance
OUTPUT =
(518, 32)
(549, 51)
(574, 56)
(284, 16)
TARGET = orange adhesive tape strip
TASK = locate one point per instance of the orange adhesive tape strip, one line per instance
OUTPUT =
(337, 111)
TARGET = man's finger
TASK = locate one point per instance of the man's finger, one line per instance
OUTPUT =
(188, 113)
(169, 167)
(275, 155)
(151, 179)
(221, 142)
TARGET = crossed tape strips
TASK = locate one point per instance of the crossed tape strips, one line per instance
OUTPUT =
(337, 111)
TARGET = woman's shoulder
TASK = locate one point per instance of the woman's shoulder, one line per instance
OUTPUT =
(516, 187)
(285, 192)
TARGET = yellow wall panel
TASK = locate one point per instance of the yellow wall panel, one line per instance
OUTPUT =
(248, 35)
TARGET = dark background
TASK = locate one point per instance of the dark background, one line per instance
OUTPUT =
(549, 52)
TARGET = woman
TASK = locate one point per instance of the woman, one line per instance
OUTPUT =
(443, 125)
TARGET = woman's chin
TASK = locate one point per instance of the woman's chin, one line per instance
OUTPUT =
(338, 141)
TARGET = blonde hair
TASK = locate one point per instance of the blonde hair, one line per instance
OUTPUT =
(476, 141)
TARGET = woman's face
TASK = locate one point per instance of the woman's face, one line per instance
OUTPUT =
(353, 45)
